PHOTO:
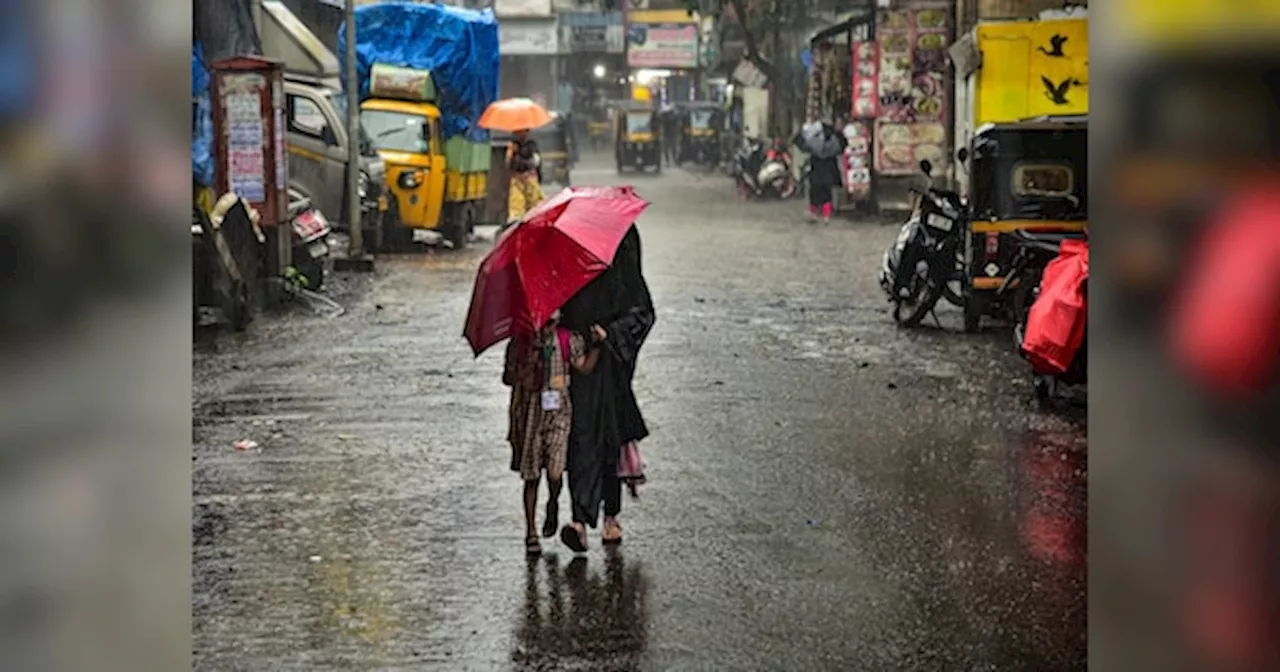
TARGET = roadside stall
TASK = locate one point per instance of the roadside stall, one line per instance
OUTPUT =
(900, 100)
(830, 97)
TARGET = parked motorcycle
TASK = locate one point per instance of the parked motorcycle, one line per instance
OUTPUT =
(310, 241)
(762, 172)
(1050, 332)
(924, 263)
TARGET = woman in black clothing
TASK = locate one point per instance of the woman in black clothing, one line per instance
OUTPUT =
(617, 311)
(824, 144)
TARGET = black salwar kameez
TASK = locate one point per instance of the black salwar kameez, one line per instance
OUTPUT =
(605, 412)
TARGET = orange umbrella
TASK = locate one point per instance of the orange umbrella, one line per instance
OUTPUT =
(514, 114)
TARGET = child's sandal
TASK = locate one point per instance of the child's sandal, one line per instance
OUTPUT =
(532, 546)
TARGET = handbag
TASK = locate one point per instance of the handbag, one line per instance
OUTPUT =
(631, 467)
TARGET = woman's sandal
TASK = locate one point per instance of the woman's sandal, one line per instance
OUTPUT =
(532, 547)
(611, 535)
(574, 539)
(552, 523)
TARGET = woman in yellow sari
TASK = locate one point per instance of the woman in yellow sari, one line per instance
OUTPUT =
(525, 164)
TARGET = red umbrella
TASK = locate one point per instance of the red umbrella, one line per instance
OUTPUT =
(559, 247)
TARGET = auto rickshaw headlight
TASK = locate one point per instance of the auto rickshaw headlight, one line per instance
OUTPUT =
(362, 185)
(408, 179)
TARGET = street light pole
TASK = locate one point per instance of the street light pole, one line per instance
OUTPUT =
(356, 259)
(353, 138)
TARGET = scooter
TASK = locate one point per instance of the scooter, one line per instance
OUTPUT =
(1054, 318)
(310, 238)
(923, 263)
(765, 173)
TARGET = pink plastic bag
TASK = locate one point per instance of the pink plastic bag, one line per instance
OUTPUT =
(631, 467)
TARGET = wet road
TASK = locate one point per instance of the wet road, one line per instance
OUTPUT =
(827, 492)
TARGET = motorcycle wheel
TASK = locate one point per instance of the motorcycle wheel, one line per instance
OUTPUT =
(1045, 389)
(313, 271)
(924, 296)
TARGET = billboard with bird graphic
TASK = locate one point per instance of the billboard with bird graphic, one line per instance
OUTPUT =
(1031, 69)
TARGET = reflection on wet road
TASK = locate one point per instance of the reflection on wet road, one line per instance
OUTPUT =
(826, 493)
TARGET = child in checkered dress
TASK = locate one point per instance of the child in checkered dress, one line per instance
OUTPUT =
(541, 415)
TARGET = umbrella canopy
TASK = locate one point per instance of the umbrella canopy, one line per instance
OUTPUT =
(514, 114)
(544, 260)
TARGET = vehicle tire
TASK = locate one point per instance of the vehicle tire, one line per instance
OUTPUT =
(395, 236)
(926, 295)
(973, 310)
(1045, 389)
(457, 231)
(313, 271)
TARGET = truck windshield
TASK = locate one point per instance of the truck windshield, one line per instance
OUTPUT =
(339, 101)
(397, 131)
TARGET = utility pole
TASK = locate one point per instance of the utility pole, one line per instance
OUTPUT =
(357, 259)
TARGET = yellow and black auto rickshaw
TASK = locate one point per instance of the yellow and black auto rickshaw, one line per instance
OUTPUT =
(1028, 183)
(638, 141)
(700, 125)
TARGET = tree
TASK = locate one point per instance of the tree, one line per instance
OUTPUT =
(762, 22)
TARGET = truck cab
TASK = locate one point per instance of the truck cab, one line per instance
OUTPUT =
(315, 119)
(436, 185)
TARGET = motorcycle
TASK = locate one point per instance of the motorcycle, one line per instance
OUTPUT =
(310, 240)
(765, 173)
(1050, 321)
(925, 261)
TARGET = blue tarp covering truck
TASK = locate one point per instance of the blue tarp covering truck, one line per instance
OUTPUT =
(426, 73)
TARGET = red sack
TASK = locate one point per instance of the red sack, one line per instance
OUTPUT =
(1056, 323)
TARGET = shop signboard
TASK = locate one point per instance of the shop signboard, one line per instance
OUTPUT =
(592, 33)
(908, 89)
(516, 9)
(527, 38)
(662, 45)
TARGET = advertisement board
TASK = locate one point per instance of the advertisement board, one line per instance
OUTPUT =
(522, 8)
(592, 33)
(662, 45)
(527, 38)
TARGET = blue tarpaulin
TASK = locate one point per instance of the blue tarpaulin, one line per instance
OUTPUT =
(458, 46)
(201, 121)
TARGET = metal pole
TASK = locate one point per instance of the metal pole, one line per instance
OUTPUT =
(353, 139)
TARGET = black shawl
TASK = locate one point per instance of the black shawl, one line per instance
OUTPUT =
(605, 412)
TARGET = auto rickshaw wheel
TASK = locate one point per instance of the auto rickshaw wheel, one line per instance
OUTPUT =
(974, 307)
(396, 237)
(458, 229)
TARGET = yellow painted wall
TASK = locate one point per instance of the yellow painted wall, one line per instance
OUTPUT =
(1011, 83)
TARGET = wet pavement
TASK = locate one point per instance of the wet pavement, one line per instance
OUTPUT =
(826, 492)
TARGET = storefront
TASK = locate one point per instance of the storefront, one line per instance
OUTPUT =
(830, 98)
(897, 102)
(529, 50)
(663, 52)
(592, 45)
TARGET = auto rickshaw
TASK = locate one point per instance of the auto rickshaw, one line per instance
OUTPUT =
(638, 142)
(598, 129)
(700, 125)
(1027, 180)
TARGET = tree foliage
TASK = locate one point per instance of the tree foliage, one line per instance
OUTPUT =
(760, 21)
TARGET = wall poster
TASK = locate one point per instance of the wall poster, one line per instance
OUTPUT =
(912, 97)
(246, 136)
